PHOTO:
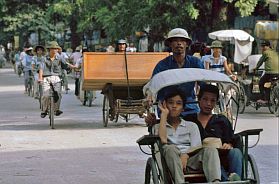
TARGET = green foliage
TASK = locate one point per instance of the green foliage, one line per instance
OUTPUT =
(118, 18)
(246, 7)
(31, 21)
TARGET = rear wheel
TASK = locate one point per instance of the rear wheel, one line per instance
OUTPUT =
(252, 170)
(105, 111)
(274, 101)
(151, 172)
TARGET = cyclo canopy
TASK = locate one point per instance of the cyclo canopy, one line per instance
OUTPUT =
(179, 76)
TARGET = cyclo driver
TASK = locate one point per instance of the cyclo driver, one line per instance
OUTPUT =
(49, 72)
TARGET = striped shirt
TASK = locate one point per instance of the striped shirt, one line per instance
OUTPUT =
(216, 65)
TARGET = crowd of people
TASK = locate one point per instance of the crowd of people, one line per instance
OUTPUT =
(182, 125)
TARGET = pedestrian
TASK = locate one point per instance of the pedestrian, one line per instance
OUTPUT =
(178, 40)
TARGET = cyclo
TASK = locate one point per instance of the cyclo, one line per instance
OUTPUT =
(250, 88)
(156, 170)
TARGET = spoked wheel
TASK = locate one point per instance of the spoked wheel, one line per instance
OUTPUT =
(51, 113)
(252, 170)
(242, 100)
(105, 111)
(116, 117)
(274, 101)
(151, 172)
(90, 98)
(30, 88)
(40, 95)
(231, 104)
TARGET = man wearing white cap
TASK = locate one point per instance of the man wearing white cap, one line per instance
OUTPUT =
(178, 40)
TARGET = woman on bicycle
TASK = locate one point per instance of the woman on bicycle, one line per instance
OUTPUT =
(49, 73)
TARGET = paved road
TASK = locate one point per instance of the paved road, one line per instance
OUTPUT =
(81, 151)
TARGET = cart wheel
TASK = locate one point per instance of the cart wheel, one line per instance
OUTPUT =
(151, 172)
(242, 100)
(116, 117)
(273, 105)
(252, 170)
(105, 111)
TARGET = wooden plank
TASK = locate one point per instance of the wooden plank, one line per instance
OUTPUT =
(100, 68)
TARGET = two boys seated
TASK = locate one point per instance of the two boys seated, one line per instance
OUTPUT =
(180, 135)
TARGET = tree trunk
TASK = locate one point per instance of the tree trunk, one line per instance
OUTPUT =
(75, 38)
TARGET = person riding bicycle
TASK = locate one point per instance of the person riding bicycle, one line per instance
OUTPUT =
(271, 68)
(213, 125)
(27, 66)
(50, 72)
(38, 59)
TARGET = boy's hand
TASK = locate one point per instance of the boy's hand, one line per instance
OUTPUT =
(163, 108)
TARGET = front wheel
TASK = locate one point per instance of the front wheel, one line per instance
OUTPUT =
(51, 113)
(252, 170)
(274, 101)
(151, 172)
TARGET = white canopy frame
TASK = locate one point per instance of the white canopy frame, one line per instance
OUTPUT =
(183, 75)
(241, 39)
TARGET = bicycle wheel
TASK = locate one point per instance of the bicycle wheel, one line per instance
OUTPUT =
(105, 111)
(274, 101)
(151, 172)
(90, 98)
(40, 95)
(51, 112)
(29, 87)
(242, 100)
(252, 170)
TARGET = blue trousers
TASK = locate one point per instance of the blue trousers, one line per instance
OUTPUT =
(234, 164)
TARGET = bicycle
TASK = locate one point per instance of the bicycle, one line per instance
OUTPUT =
(64, 81)
(54, 97)
(40, 94)
(30, 84)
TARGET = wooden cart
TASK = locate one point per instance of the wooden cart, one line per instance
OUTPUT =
(121, 78)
